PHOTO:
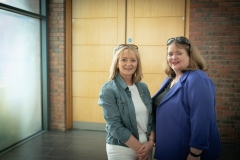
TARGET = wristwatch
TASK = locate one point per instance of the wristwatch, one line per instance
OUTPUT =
(194, 155)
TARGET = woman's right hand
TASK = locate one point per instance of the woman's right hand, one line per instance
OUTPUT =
(145, 149)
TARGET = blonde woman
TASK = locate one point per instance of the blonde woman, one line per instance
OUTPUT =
(127, 108)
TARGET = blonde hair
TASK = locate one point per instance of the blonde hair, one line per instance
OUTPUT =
(117, 53)
(196, 61)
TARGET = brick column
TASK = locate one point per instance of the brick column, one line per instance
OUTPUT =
(56, 55)
(215, 29)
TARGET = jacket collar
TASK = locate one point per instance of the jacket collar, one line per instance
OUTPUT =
(122, 83)
(120, 80)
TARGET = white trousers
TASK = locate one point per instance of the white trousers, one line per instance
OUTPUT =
(116, 152)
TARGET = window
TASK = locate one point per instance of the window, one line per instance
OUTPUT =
(23, 76)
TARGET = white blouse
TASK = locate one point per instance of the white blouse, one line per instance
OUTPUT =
(140, 110)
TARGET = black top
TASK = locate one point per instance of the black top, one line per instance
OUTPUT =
(159, 98)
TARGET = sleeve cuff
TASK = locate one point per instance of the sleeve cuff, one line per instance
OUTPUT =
(124, 138)
(199, 144)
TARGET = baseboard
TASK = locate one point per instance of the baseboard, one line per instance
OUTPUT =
(89, 125)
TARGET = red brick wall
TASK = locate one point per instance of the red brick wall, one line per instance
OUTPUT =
(56, 55)
(215, 29)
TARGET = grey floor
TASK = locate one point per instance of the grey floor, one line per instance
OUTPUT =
(79, 145)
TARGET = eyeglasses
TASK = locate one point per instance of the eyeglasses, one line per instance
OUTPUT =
(127, 45)
(181, 40)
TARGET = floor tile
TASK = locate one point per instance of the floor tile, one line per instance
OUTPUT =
(21, 153)
(68, 153)
(46, 158)
(80, 145)
(9, 156)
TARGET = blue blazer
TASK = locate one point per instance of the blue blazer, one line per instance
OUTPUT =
(186, 117)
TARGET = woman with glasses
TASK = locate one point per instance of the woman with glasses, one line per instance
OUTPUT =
(127, 108)
(186, 126)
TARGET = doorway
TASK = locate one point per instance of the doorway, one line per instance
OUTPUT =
(98, 26)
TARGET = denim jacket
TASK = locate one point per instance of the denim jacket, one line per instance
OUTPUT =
(119, 112)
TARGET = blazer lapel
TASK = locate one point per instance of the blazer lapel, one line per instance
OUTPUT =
(174, 89)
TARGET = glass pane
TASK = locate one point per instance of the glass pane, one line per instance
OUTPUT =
(28, 5)
(20, 78)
